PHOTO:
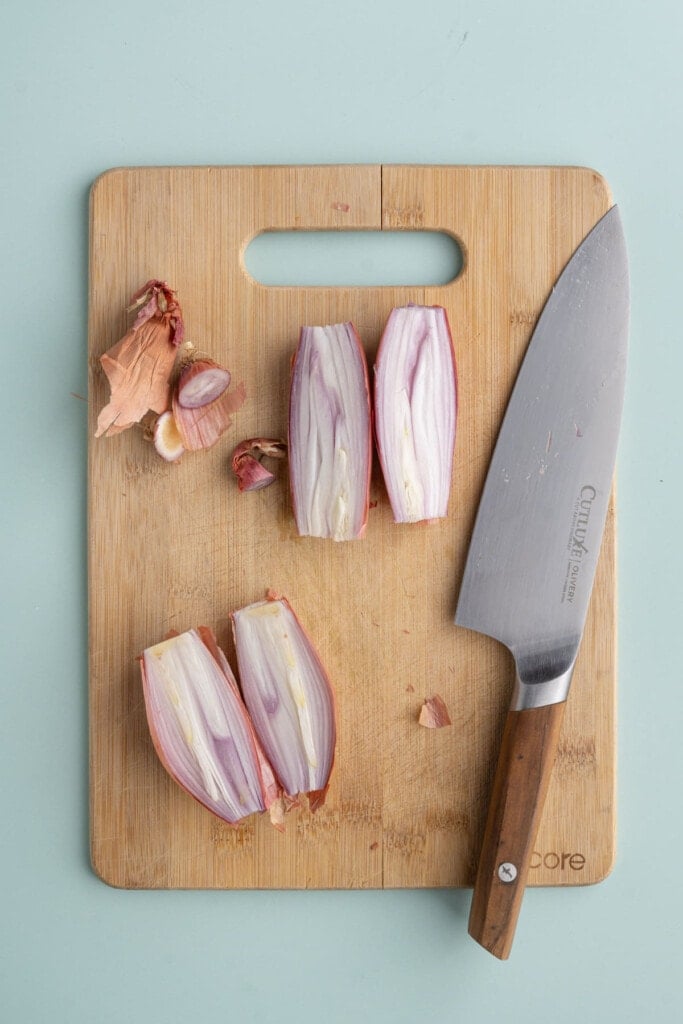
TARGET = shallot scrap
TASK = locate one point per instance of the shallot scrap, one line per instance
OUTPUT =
(243, 752)
(289, 696)
(200, 382)
(251, 474)
(200, 426)
(415, 411)
(193, 402)
(140, 365)
(434, 713)
(201, 404)
(167, 439)
(330, 441)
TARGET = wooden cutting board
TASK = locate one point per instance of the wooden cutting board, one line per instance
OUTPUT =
(174, 546)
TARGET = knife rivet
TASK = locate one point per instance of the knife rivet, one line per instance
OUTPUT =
(507, 872)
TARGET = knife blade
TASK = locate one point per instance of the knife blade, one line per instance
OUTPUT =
(535, 545)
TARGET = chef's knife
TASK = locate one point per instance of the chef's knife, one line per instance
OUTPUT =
(535, 544)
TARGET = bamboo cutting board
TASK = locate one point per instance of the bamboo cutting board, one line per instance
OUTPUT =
(175, 546)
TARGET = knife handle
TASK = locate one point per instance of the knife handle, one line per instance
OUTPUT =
(521, 782)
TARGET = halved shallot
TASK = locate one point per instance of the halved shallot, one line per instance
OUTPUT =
(289, 696)
(415, 411)
(201, 729)
(330, 442)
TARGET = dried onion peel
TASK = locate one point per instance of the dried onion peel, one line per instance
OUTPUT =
(201, 729)
(330, 440)
(415, 411)
(289, 696)
(139, 367)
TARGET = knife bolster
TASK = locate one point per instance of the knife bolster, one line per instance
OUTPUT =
(543, 678)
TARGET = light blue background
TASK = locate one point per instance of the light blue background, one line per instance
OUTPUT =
(87, 86)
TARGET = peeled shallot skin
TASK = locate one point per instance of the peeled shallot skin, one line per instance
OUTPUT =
(140, 365)
(415, 411)
(200, 727)
(289, 696)
(330, 439)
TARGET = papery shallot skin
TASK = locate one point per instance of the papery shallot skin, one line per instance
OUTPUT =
(289, 696)
(200, 727)
(330, 436)
(415, 408)
(434, 712)
(139, 367)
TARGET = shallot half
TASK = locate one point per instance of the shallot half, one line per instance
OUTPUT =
(201, 729)
(415, 411)
(289, 696)
(330, 441)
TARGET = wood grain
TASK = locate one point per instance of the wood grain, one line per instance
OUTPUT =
(173, 546)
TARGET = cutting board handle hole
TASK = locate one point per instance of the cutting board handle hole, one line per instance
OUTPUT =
(363, 259)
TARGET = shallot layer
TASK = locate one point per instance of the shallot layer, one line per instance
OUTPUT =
(288, 694)
(330, 441)
(415, 411)
(201, 729)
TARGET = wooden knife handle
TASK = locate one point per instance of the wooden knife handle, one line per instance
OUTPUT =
(524, 766)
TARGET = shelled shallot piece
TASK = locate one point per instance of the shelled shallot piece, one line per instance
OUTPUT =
(289, 696)
(415, 411)
(330, 442)
(201, 729)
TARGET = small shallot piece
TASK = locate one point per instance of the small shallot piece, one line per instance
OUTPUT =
(415, 411)
(434, 713)
(201, 382)
(200, 727)
(246, 462)
(167, 439)
(330, 440)
(202, 425)
(289, 696)
(139, 367)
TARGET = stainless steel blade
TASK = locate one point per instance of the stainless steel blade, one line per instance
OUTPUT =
(536, 539)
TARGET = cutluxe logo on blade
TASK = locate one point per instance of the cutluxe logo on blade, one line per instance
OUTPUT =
(576, 544)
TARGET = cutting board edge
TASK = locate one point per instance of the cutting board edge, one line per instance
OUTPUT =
(100, 869)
